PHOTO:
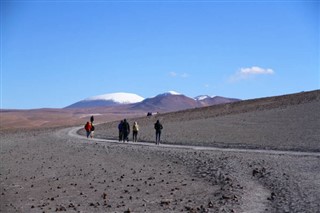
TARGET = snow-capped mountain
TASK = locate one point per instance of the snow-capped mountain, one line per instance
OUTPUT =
(168, 101)
(110, 99)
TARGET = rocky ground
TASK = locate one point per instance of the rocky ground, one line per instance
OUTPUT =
(50, 170)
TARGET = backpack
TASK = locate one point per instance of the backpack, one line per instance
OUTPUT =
(135, 128)
(158, 126)
(92, 128)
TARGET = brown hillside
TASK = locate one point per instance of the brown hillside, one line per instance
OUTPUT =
(288, 122)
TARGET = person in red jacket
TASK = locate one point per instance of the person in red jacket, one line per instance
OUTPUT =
(88, 128)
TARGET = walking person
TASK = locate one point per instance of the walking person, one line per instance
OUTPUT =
(135, 130)
(87, 127)
(158, 127)
(92, 119)
(125, 130)
(92, 130)
(120, 130)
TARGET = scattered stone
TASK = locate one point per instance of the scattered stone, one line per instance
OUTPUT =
(61, 208)
(128, 211)
(210, 204)
(272, 196)
(226, 197)
(104, 196)
(255, 172)
(259, 172)
(165, 202)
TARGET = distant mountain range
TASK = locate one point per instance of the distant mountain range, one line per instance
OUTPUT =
(169, 101)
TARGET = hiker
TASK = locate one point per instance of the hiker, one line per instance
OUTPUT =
(120, 130)
(87, 127)
(135, 130)
(92, 130)
(125, 130)
(92, 119)
(158, 127)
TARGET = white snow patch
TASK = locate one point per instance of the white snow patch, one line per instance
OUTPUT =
(119, 97)
(202, 97)
(171, 93)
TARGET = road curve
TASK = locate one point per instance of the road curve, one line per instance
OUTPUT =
(73, 133)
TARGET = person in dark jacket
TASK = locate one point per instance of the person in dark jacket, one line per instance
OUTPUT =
(125, 130)
(158, 127)
(120, 130)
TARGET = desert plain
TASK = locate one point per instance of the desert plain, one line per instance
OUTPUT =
(259, 155)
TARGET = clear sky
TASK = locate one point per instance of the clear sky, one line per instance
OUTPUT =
(55, 53)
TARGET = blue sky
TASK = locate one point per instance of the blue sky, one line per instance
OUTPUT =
(55, 53)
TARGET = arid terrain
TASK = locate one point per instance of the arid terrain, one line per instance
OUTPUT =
(267, 160)
(44, 118)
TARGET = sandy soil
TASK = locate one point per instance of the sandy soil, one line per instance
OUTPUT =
(50, 170)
